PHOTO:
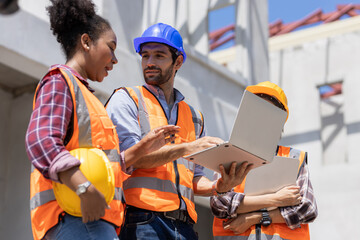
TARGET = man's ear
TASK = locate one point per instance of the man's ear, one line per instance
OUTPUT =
(179, 62)
(85, 41)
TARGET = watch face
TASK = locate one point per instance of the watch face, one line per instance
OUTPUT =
(266, 220)
(82, 189)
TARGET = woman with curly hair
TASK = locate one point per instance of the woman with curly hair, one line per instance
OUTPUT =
(66, 116)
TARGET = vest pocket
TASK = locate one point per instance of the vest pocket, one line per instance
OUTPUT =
(109, 139)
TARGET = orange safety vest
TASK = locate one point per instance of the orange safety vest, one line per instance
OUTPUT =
(275, 231)
(97, 131)
(160, 188)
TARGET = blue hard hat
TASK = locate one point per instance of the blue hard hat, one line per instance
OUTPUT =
(161, 33)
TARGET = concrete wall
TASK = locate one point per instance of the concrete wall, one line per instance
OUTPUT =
(25, 44)
(14, 167)
(300, 62)
(27, 49)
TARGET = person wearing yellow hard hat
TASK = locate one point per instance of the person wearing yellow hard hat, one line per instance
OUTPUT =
(68, 123)
(239, 217)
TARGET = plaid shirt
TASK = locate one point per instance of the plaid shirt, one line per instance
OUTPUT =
(225, 206)
(49, 123)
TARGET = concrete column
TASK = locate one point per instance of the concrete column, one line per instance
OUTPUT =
(198, 25)
(15, 168)
(159, 11)
(251, 35)
(5, 100)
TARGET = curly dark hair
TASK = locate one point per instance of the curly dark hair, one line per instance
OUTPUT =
(69, 19)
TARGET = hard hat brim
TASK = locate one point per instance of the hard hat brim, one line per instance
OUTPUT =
(140, 40)
(269, 91)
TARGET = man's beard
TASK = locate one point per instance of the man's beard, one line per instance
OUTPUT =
(160, 78)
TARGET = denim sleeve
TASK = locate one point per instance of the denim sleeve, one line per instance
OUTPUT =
(123, 112)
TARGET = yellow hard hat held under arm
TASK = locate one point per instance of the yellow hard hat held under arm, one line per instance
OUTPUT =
(96, 167)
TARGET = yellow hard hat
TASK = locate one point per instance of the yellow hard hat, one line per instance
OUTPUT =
(270, 89)
(96, 167)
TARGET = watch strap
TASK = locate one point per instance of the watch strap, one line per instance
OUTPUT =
(83, 186)
(265, 219)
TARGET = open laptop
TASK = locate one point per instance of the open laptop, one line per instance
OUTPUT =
(281, 172)
(254, 137)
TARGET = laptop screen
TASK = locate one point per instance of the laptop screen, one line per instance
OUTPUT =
(258, 126)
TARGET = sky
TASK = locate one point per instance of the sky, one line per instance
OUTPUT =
(285, 10)
(292, 10)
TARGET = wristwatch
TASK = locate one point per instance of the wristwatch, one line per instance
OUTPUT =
(82, 188)
(266, 219)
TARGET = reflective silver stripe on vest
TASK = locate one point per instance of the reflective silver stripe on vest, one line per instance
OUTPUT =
(251, 237)
(187, 192)
(198, 123)
(113, 155)
(41, 198)
(46, 196)
(189, 165)
(119, 194)
(82, 114)
(159, 185)
(143, 113)
(294, 153)
(150, 183)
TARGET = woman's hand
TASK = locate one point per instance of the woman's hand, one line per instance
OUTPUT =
(242, 222)
(288, 196)
(93, 204)
(92, 201)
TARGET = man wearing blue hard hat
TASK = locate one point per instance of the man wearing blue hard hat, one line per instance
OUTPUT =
(160, 191)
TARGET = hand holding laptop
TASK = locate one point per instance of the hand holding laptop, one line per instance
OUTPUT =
(234, 176)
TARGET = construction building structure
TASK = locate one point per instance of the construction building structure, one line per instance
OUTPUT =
(318, 68)
(28, 48)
